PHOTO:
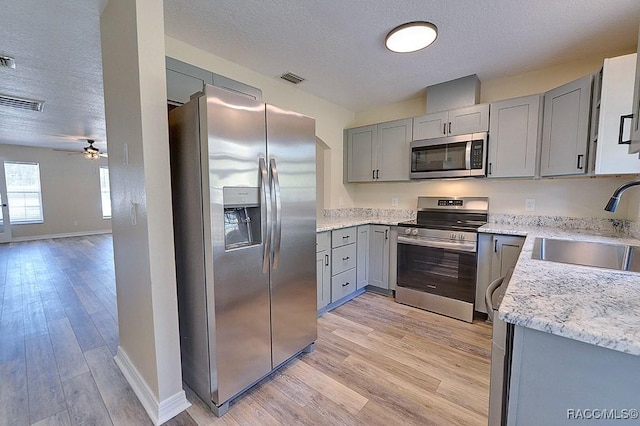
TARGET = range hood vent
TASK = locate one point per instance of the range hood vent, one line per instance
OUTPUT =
(292, 78)
(453, 94)
(21, 103)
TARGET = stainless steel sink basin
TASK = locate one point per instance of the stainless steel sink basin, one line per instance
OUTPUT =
(601, 255)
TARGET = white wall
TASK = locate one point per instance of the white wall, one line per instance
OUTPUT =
(136, 115)
(70, 186)
(574, 197)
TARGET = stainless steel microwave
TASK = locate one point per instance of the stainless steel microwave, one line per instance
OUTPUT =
(453, 156)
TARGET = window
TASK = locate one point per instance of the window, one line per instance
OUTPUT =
(23, 192)
(105, 192)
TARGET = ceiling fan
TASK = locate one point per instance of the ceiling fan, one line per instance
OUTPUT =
(91, 152)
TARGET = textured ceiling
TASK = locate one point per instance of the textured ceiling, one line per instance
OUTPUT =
(56, 46)
(337, 45)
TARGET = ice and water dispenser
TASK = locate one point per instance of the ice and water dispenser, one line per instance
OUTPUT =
(241, 217)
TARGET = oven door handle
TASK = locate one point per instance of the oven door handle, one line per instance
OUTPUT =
(470, 248)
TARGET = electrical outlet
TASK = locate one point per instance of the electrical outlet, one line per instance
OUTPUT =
(394, 202)
(75, 223)
(341, 201)
(530, 204)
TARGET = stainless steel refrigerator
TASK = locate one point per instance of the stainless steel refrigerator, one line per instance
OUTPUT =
(243, 186)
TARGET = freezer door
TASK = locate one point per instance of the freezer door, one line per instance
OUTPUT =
(238, 294)
(291, 152)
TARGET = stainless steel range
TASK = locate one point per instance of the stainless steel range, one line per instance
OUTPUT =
(437, 255)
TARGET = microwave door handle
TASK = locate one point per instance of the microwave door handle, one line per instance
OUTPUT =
(467, 156)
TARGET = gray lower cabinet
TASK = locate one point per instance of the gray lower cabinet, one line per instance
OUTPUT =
(515, 129)
(565, 128)
(496, 255)
(379, 152)
(323, 268)
(343, 262)
(362, 264)
(379, 256)
(560, 381)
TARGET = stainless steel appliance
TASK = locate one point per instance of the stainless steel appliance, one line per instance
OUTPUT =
(452, 156)
(501, 350)
(437, 255)
(243, 185)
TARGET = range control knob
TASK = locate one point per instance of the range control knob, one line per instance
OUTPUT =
(407, 231)
(414, 232)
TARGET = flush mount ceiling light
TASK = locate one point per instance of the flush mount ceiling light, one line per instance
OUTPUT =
(411, 37)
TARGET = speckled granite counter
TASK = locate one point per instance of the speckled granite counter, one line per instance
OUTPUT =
(591, 305)
(331, 224)
(344, 218)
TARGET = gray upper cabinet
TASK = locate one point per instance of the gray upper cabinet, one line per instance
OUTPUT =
(459, 121)
(360, 145)
(379, 152)
(515, 129)
(183, 80)
(565, 129)
(635, 124)
(431, 126)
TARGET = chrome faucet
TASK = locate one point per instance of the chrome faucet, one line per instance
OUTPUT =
(612, 205)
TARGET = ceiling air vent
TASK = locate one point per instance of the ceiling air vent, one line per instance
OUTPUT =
(292, 78)
(22, 103)
(7, 62)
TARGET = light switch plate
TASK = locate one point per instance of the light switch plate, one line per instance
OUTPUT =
(394, 202)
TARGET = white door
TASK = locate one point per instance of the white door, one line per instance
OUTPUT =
(5, 228)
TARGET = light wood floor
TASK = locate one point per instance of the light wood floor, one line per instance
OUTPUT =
(376, 362)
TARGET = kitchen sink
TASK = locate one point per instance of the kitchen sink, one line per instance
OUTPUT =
(600, 255)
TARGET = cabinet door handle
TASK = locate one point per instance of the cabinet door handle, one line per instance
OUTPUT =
(449, 127)
(444, 129)
(326, 260)
(345, 284)
(373, 174)
(622, 118)
(495, 246)
(579, 165)
(490, 168)
(345, 236)
(345, 258)
(386, 234)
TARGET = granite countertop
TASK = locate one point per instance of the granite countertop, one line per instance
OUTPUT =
(592, 305)
(338, 223)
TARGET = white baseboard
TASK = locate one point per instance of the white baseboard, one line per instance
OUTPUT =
(65, 235)
(158, 411)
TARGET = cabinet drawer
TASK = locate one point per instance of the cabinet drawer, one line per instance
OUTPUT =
(341, 237)
(323, 241)
(343, 258)
(343, 284)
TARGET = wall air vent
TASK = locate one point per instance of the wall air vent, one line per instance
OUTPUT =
(7, 62)
(292, 78)
(22, 103)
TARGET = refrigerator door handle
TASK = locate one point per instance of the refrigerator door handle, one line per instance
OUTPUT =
(277, 231)
(266, 219)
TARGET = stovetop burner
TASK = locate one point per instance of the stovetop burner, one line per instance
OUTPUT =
(450, 213)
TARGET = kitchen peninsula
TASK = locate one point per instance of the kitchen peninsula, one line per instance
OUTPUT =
(576, 332)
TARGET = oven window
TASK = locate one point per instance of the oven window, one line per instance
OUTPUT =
(438, 271)
(439, 157)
